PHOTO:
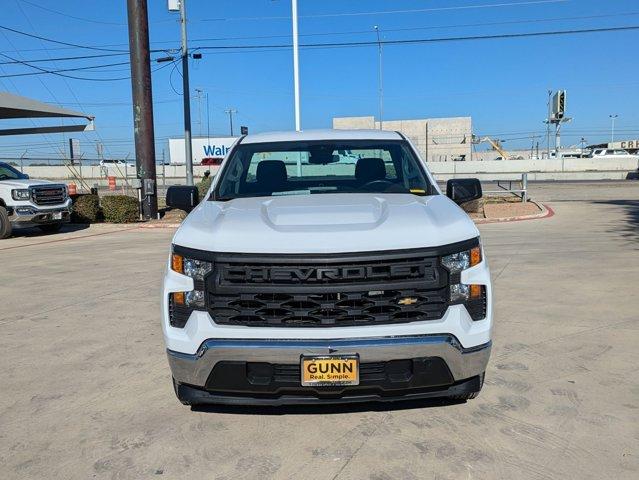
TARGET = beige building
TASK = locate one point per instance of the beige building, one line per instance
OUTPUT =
(437, 139)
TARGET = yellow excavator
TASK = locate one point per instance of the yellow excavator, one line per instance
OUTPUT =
(496, 144)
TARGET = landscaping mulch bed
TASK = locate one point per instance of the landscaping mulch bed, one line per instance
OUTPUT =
(500, 207)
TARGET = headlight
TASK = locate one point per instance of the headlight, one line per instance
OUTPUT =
(456, 262)
(21, 194)
(197, 270)
(473, 296)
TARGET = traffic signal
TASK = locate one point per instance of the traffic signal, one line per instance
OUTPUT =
(562, 103)
(559, 104)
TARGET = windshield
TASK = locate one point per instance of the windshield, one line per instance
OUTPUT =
(7, 172)
(310, 168)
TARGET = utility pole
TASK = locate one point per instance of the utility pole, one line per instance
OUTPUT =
(187, 97)
(230, 111)
(380, 80)
(548, 120)
(296, 67)
(612, 129)
(142, 104)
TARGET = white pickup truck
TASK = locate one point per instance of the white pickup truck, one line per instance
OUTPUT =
(31, 203)
(304, 277)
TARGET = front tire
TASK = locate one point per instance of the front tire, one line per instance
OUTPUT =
(5, 224)
(50, 228)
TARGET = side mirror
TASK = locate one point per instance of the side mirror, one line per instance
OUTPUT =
(462, 190)
(182, 197)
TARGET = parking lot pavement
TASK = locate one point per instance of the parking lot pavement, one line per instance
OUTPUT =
(85, 386)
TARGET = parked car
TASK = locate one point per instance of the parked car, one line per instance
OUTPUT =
(327, 280)
(211, 161)
(122, 164)
(608, 152)
(25, 202)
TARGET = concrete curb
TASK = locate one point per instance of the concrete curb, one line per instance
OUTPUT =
(546, 212)
(161, 225)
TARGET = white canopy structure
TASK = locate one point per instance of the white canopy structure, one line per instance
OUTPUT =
(14, 107)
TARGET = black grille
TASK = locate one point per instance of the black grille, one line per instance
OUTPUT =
(48, 195)
(263, 379)
(331, 291)
(328, 309)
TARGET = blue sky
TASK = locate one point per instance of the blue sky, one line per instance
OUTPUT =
(502, 84)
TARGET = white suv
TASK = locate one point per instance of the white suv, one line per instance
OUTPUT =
(305, 277)
(31, 203)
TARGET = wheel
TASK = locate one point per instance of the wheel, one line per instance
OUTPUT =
(470, 395)
(5, 224)
(176, 389)
(50, 228)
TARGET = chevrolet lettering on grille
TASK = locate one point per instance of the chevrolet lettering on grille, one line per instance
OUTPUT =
(250, 274)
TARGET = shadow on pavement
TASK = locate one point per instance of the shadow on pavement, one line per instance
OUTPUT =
(630, 229)
(328, 409)
(36, 232)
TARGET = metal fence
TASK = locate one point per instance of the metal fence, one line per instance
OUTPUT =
(506, 186)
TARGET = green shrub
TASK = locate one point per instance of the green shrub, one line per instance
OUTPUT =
(120, 209)
(204, 186)
(86, 209)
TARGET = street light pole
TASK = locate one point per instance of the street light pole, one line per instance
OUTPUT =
(186, 97)
(198, 95)
(296, 66)
(380, 80)
(230, 111)
(612, 129)
(208, 121)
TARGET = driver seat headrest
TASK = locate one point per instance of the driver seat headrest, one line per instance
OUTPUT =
(370, 169)
(271, 174)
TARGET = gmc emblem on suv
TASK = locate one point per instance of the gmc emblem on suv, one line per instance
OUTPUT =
(251, 274)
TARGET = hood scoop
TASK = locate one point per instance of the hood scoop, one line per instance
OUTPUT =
(321, 212)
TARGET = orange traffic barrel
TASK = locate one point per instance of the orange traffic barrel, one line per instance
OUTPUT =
(72, 189)
(111, 183)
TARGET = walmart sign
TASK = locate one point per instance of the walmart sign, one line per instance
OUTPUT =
(216, 147)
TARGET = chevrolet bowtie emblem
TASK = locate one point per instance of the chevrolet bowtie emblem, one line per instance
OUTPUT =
(407, 301)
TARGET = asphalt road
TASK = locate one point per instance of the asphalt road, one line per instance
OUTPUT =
(85, 388)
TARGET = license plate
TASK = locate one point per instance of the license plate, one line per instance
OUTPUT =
(330, 370)
(56, 216)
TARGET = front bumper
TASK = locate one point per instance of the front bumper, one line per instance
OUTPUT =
(195, 372)
(29, 215)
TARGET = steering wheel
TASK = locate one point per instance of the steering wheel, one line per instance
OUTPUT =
(380, 185)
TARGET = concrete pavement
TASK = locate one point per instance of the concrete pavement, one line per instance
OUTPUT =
(85, 387)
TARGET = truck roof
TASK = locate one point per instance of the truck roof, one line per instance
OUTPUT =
(324, 134)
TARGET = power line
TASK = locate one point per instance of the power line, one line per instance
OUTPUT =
(312, 34)
(408, 29)
(388, 12)
(70, 16)
(75, 45)
(42, 71)
(62, 59)
(423, 40)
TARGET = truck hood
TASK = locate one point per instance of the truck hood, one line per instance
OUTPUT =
(24, 183)
(325, 223)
